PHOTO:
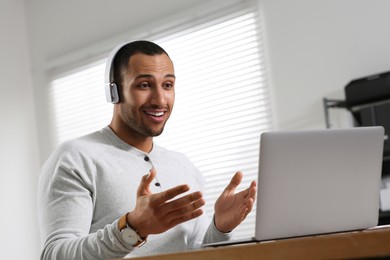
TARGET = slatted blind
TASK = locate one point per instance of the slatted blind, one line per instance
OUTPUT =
(222, 103)
(78, 103)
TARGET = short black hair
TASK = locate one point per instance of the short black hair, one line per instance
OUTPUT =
(123, 56)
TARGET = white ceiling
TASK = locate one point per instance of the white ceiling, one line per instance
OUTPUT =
(58, 27)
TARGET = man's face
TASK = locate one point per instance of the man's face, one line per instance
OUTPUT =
(147, 94)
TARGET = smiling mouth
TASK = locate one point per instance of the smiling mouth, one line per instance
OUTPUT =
(155, 114)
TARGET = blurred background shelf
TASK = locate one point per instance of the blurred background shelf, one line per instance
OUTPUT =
(367, 99)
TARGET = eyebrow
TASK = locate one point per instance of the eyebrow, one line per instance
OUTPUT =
(151, 76)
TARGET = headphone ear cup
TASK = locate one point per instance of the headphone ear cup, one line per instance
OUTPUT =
(112, 93)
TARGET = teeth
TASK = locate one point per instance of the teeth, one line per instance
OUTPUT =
(155, 113)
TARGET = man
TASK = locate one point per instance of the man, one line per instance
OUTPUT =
(115, 193)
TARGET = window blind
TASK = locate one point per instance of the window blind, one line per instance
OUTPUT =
(222, 103)
(78, 104)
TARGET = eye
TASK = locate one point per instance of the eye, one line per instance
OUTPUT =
(168, 85)
(144, 85)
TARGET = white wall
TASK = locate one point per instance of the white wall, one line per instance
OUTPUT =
(315, 47)
(18, 161)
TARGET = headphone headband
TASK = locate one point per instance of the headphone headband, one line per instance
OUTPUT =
(111, 89)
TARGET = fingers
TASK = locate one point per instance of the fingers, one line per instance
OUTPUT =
(251, 191)
(245, 210)
(249, 199)
(167, 195)
(179, 210)
(249, 207)
(234, 182)
(155, 213)
(143, 188)
(184, 205)
(186, 212)
(249, 194)
(172, 212)
(186, 217)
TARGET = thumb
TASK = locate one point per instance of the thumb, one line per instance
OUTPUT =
(234, 182)
(143, 188)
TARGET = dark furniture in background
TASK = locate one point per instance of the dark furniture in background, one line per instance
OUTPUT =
(368, 100)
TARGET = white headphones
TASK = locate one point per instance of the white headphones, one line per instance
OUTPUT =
(112, 94)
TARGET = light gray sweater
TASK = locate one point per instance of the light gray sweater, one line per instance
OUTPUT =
(88, 183)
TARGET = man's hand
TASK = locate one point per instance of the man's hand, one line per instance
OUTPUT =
(230, 208)
(156, 213)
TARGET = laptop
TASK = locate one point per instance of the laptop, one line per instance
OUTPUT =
(317, 182)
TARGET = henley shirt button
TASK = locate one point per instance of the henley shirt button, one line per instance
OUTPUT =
(146, 158)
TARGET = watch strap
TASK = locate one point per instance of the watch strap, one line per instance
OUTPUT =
(122, 224)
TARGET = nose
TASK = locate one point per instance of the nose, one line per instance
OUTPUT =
(159, 97)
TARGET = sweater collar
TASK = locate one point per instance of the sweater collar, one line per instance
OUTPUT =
(107, 131)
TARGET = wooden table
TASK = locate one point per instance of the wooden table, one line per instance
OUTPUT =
(360, 244)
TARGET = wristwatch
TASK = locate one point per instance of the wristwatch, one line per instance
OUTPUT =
(129, 234)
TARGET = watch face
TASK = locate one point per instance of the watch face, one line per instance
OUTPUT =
(130, 236)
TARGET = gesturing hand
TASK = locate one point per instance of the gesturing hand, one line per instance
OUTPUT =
(156, 213)
(230, 208)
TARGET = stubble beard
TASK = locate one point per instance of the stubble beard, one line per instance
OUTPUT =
(138, 127)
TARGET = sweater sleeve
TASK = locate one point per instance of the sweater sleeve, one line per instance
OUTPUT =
(213, 235)
(66, 205)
